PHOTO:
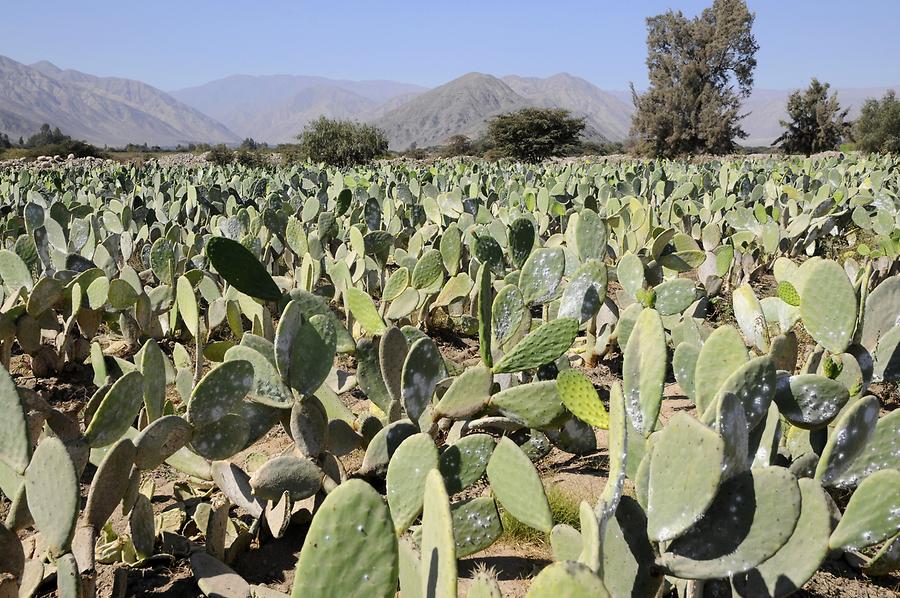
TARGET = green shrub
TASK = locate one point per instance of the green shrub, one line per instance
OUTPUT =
(816, 122)
(878, 127)
(533, 134)
(220, 155)
(341, 142)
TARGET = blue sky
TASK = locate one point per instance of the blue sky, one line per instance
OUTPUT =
(177, 44)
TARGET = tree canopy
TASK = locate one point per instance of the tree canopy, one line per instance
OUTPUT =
(700, 70)
(533, 134)
(815, 122)
(878, 127)
(342, 142)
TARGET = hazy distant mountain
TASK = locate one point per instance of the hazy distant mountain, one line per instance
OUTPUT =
(101, 110)
(604, 112)
(768, 106)
(275, 108)
(462, 106)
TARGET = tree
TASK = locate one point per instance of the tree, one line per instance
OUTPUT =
(700, 70)
(816, 122)
(342, 142)
(47, 136)
(4, 141)
(457, 145)
(532, 134)
(878, 127)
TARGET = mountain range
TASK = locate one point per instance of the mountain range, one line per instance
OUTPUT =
(274, 108)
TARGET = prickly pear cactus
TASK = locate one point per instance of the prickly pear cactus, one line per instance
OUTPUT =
(644, 371)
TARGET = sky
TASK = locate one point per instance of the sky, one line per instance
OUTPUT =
(176, 44)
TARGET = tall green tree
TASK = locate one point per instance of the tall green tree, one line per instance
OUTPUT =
(533, 134)
(700, 71)
(815, 122)
(878, 127)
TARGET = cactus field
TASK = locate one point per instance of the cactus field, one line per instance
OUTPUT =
(360, 377)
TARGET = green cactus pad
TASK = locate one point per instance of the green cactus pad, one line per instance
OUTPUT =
(221, 439)
(160, 440)
(468, 394)
(141, 525)
(153, 368)
(220, 392)
(624, 327)
(765, 438)
(882, 311)
(590, 537)
(392, 351)
(15, 445)
(585, 293)
(828, 306)
(852, 432)
(541, 346)
(186, 300)
(489, 253)
(567, 580)
(484, 301)
(678, 496)
(534, 405)
(795, 563)
(684, 366)
(476, 525)
(241, 269)
(752, 517)
(439, 577)
(674, 296)
(396, 284)
(422, 370)
(109, 484)
(722, 354)
(630, 272)
(464, 462)
(429, 269)
(873, 513)
(590, 235)
(880, 452)
(517, 486)
(580, 397)
(809, 401)
(749, 315)
(12, 556)
(783, 350)
(410, 567)
(887, 362)
(117, 410)
(484, 585)
(627, 557)
(408, 467)
(507, 313)
(14, 272)
(54, 498)
(541, 275)
(565, 542)
(300, 478)
(312, 354)
(521, 240)
(368, 374)
(754, 384)
(787, 293)
(618, 454)
(363, 309)
(644, 371)
(731, 424)
(309, 426)
(68, 579)
(267, 389)
(384, 443)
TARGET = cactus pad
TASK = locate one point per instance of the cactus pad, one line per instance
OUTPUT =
(585, 293)
(160, 440)
(476, 525)
(852, 431)
(627, 564)
(117, 410)
(464, 462)
(468, 394)
(679, 497)
(674, 296)
(15, 445)
(751, 518)
(54, 498)
(300, 478)
(241, 269)
(721, 355)
(828, 306)
(407, 469)
(873, 513)
(517, 486)
(809, 401)
(580, 397)
(109, 484)
(644, 371)
(684, 366)
(221, 391)
(439, 577)
(363, 309)
(567, 580)
(422, 370)
(880, 452)
(541, 346)
(542, 274)
(535, 404)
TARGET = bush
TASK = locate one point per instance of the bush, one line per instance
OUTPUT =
(341, 142)
(878, 127)
(253, 159)
(457, 145)
(533, 134)
(220, 155)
